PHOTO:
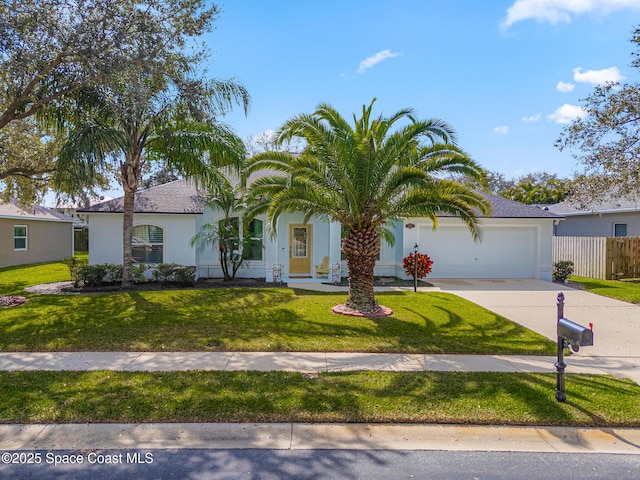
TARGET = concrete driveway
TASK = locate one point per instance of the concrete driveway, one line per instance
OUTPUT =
(532, 303)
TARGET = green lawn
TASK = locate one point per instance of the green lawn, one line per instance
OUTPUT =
(431, 397)
(628, 291)
(234, 319)
(246, 319)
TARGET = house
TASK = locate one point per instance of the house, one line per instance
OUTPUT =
(516, 239)
(33, 234)
(618, 217)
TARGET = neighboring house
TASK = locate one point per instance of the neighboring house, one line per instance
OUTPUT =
(516, 239)
(615, 218)
(33, 234)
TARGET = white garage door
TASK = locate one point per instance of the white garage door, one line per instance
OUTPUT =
(503, 253)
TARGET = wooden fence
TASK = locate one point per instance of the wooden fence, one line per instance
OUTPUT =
(600, 257)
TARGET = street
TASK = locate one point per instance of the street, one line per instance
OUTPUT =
(208, 464)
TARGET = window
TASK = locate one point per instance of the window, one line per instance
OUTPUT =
(19, 237)
(251, 239)
(253, 244)
(148, 244)
(619, 229)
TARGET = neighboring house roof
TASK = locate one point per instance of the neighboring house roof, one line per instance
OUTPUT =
(179, 196)
(19, 212)
(617, 205)
(505, 208)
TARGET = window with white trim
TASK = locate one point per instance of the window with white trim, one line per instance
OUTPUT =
(619, 229)
(148, 244)
(20, 237)
(249, 236)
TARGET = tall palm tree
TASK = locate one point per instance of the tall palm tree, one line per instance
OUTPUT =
(366, 176)
(142, 118)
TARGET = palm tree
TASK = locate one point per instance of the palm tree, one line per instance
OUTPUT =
(228, 198)
(367, 176)
(142, 118)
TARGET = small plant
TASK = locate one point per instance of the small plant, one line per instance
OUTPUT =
(424, 265)
(74, 265)
(137, 273)
(562, 270)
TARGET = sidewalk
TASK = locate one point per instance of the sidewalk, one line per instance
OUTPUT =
(312, 362)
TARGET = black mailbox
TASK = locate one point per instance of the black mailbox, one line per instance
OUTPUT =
(576, 335)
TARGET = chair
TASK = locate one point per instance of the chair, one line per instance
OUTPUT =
(323, 270)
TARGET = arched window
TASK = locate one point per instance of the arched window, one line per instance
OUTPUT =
(148, 244)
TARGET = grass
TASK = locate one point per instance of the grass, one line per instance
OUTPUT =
(628, 291)
(429, 397)
(249, 319)
(14, 279)
(246, 319)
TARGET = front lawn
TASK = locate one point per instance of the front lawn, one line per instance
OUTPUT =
(625, 290)
(430, 397)
(251, 319)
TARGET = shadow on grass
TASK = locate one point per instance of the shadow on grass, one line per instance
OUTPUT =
(359, 397)
(258, 320)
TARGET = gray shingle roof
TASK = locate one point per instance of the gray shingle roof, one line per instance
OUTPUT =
(606, 206)
(13, 210)
(179, 196)
(504, 208)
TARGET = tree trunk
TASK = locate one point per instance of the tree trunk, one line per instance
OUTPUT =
(361, 249)
(129, 175)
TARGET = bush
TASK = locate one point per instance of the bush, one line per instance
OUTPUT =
(424, 264)
(166, 273)
(137, 272)
(562, 270)
(74, 265)
(93, 275)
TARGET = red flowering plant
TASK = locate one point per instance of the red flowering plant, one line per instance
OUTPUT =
(424, 264)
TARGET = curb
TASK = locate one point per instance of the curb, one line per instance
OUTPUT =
(301, 436)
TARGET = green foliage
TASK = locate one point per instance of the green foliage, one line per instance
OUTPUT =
(93, 275)
(75, 264)
(168, 273)
(562, 270)
(366, 176)
(625, 290)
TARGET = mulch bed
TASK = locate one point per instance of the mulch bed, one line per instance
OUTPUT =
(12, 300)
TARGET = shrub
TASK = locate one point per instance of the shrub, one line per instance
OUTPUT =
(562, 270)
(166, 273)
(74, 264)
(424, 264)
(92, 275)
(114, 273)
(137, 272)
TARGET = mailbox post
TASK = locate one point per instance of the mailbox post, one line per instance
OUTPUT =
(570, 334)
(560, 365)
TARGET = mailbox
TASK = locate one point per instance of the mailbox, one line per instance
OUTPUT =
(576, 335)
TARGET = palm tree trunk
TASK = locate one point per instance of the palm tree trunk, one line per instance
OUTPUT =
(361, 249)
(129, 175)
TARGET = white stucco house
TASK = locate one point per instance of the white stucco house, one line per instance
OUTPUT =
(517, 240)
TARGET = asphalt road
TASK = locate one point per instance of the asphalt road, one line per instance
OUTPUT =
(207, 464)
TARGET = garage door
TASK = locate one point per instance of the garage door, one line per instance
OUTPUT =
(503, 253)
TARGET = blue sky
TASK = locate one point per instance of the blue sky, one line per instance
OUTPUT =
(504, 73)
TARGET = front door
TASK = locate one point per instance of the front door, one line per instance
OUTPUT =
(300, 250)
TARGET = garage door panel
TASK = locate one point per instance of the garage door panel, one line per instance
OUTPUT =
(503, 252)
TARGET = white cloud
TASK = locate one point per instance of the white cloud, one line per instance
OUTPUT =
(369, 62)
(561, 11)
(567, 114)
(531, 119)
(503, 130)
(565, 87)
(611, 74)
